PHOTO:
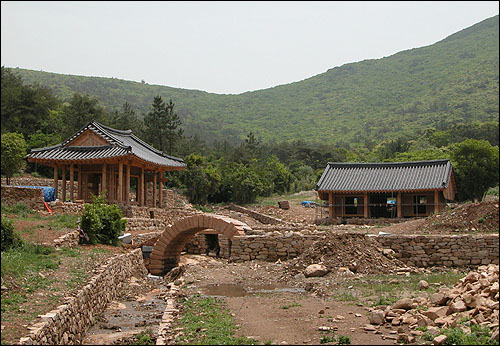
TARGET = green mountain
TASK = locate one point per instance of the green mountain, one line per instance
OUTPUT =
(453, 80)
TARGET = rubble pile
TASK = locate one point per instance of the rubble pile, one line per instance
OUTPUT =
(356, 252)
(473, 299)
(469, 217)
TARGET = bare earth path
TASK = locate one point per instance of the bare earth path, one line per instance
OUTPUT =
(273, 311)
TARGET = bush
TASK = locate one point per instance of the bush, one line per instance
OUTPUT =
(10, 238)
(102, 222)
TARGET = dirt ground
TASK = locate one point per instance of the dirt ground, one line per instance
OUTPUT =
(271, 310)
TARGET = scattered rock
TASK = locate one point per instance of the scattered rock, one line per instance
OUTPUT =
(315, 270)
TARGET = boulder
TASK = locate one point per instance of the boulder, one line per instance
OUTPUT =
(439, 340)
(377, 317)
(423, 285)
(404, 303)
(315, 270)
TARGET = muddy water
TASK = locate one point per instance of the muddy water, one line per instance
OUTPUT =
(127, 317)
(235, 290)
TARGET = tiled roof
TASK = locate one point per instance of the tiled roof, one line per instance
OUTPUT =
(392, 176)
(121, 143)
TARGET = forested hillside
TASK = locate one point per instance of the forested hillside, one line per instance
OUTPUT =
(454, 81)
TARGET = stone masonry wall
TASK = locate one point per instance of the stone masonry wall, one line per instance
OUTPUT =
(270, 246)
(68, 323)
(443, 250)
(266, 219)
(33, 198)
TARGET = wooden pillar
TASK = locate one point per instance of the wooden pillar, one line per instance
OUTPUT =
(56, 172)
(71, 182)
(154, 189)
(80, 185)
(436, 201)
(399, 206)
(161, 191)
(64, 183)
(127, 185)
(365, 206)
(119, 198)
(140, 187)
(104, 187)
(331, 206)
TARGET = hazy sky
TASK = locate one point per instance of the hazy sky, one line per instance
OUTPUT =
(221, 47)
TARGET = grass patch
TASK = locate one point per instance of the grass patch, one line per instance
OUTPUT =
(64, 221)
(18, 209)
(28, 257)
(69, 252)
(479, 335)
(293, 305)
(204, 208)
(207, 321)
(377, 290)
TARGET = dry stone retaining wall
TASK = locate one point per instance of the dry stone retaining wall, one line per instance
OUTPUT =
(266, 219)
(443, 250)
(68, 323)
(33, 198)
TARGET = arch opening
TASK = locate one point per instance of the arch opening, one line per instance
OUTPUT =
(167, 249)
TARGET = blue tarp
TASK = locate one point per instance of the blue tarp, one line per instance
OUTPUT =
(49, 193)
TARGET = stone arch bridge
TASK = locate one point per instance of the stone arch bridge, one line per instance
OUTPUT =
(168, 247)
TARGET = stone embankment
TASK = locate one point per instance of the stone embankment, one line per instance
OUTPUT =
(443, 250)
(33, 198)
(474, 299)
(68, 323)
(263, 218)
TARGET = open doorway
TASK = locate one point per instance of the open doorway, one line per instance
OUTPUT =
(212, 244)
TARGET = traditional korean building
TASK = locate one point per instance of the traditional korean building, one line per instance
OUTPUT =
(395, 189)
(106, 160)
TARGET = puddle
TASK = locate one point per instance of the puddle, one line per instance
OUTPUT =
(234, 290)
(125, 318)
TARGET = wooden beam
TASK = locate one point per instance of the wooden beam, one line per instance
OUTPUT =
(399, 205)
(331, 206)
(80, 185)
(71, 182)
(365, 206)
(127, 184)
(154, 189)
(64, 183)
(141, 187)
(119, 197)
(436, 201)
(104, 187)
(56, 178)
(161, 190)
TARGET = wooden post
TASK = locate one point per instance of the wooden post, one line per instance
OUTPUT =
(140, 187)
(161, 190)
(56, 172)
(64, 183)
(154, 189)
(127, 185)
(365, 206)
(399, 206)
(71, 182)
(436, 201)
(120, 182)
(80, 185)
(331, 206)
(104, 187)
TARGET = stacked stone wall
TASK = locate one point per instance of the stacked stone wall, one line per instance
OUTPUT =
(68, 323)
(33, 198)
(270, 246)
(443, 250)
(265, 219)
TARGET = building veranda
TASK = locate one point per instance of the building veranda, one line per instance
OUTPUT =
(386, 190)
(103, 160)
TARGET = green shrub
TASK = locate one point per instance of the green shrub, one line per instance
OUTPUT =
(344, 340)
(102, 222)
(10, 238)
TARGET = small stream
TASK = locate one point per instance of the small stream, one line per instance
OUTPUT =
(235, 290)
(128, 316)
